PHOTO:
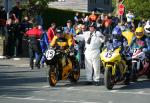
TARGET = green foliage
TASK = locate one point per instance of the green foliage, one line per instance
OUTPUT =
(42, 3)
(141, 8)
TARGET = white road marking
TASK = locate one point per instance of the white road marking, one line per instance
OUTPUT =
(70, 88)
(73, 89)
(113, 91)
(89, 102)
(40, 99)
(27, 98)
(140, 92)
(70, 101)
(46, 86)
(110, 102)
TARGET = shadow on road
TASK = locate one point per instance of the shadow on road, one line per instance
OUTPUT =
(144, 84)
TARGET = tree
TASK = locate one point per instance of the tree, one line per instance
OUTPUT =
(42, 3)
(141, 8)
(36, 6)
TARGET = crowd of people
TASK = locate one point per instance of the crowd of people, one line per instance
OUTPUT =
(87, 35)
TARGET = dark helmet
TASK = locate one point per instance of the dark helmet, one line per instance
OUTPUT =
(59, 30)
(92, 24)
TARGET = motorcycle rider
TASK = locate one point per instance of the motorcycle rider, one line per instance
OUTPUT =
(64, 41)
(93, 40)
(118, 40)
(140, 41)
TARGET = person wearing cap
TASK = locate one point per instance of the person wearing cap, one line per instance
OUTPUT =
(34, 34)
(93, 40)
(69, 29)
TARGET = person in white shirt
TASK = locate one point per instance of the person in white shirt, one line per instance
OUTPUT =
(93, 40)
(129, 16)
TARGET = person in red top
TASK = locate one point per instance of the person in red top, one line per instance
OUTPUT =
(106, 23)
(51, 32)
(34, 34)
(93, 17)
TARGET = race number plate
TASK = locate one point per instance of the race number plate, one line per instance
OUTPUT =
(49, 54)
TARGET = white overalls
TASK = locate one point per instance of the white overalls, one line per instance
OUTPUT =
(92, 52)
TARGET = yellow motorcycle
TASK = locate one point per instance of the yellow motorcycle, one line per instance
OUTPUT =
(115, 68)
(61, 66)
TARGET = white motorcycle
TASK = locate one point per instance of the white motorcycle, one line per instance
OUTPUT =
(140, 64)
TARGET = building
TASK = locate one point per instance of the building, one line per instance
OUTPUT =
(83, 5)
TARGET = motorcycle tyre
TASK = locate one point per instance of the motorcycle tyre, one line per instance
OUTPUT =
(52, 76)
(74, 76)
(148, 75)
(133, 74)
(108, 78)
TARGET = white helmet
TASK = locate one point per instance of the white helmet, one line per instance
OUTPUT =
(147, 27)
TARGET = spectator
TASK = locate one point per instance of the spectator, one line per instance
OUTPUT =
(34, 35)
(17, 38)
(69, 29)
(142, 23)
(76, 18)
(107, 24)
(17, 11)
(99, 23)
(86, 20)
(81, 48)
(3, 18)
(130, 16)
(93, 17)
(9, 38)
(51, 32)
(102, 16)
(39, 19)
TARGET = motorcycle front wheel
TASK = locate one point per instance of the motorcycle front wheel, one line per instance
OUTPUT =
(108, 78)
(52, 76)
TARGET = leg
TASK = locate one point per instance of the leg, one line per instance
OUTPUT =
(96, 67)
(38, 50)
(32, 55)
(89, 69)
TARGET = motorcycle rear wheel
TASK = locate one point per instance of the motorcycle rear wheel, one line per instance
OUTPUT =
(148, 75)
(52, 76)
(134, 73)
(108, 78)
(74, 76)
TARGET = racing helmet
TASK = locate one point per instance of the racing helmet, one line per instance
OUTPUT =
(117, 33)
(59, 30)
(139, 32)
